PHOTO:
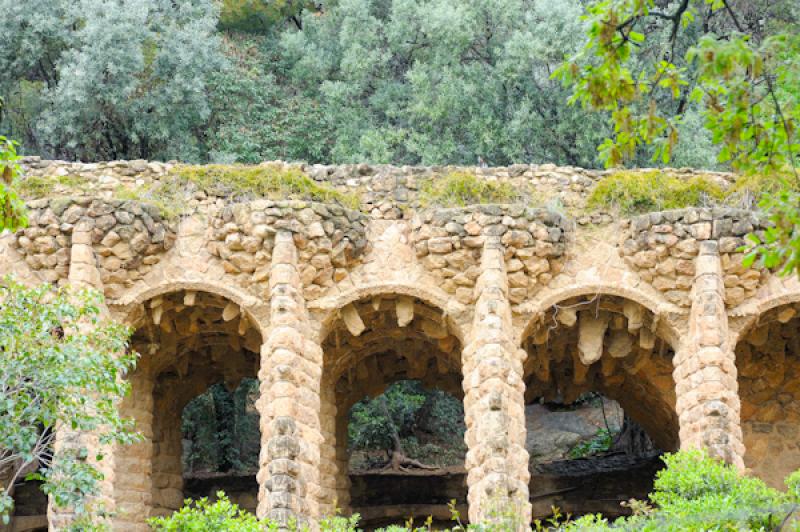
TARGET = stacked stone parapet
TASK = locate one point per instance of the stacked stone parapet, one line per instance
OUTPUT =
(385, 191)
(663, 246)
(449, 242)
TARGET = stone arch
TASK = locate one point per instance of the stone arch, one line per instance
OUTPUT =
(651, 302)
(608, 342)
(373, 339)
(128, 309)
(189, 336)
(331, 308)
(767, 352)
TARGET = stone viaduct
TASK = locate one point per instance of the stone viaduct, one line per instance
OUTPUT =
(496, 304)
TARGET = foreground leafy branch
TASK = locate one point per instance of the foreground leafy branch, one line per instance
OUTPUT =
(61, 375)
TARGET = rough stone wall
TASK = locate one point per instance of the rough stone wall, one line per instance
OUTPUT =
(768, 358)
(662, 247)
(330, 304)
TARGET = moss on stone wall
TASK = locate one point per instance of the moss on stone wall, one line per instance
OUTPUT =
(458, 189)
(632, 192)
(265, 181)
(37, 187)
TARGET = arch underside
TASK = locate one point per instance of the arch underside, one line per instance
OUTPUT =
(606, 344)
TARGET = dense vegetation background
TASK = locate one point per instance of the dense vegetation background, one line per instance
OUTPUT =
(400, 81)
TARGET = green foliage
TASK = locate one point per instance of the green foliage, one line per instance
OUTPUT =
(599, 443)
(256, 114)
(458, 188)
(778, 246)
(90, 80)
(429, 423)
(395, 81)
(637, 192)
(267, 181)
(442, 82)
(698, 493)
(743, 83)
(204, 516)
(222, 430)
(338, 523)
(62, 366)
(12, 210)
(259, 16)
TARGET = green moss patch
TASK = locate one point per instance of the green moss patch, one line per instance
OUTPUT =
(263, 181)
(237, 182)
(458, 189)
(639, 192)
(36, 187)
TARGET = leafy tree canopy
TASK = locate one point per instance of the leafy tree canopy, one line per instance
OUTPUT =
(60, 370)
(649, 63)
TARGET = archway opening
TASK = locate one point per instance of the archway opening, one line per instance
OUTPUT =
(393, 360)
(190, 342)
(768, 364)
(600, 404)
(221, 444)
(407, 451)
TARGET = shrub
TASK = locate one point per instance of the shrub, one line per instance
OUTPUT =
(636, 192)
(458, 189)
(698, 493)
(204, 516)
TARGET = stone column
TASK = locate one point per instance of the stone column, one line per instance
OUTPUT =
(134, 482)
(494, 403)
(167, 446)
(289, 401)
(83, 274)
(706, 389)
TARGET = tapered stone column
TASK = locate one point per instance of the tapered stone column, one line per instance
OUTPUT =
(705, 368)
(83, 274)
(289, 402)
(494, 403)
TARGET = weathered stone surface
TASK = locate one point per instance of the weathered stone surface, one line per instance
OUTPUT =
(493, 303)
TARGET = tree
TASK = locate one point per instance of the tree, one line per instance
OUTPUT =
(442, 82)
(12, 210)
(110, 79)
(390, 421)
(61, 369)
(650, 64)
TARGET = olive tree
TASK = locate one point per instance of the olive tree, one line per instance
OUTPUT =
(109, 79)
(61, 369)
